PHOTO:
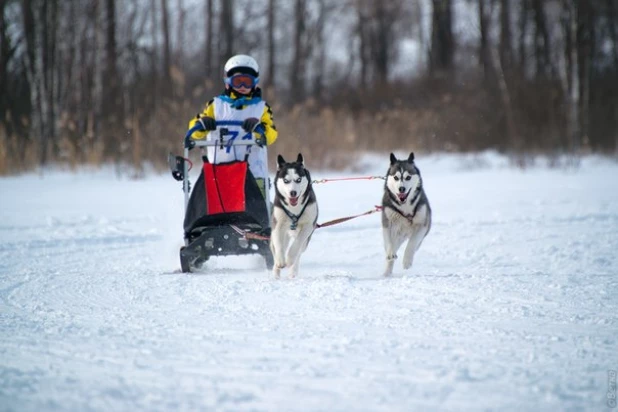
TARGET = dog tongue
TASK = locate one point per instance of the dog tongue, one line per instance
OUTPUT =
(402, 196)
(294, 201)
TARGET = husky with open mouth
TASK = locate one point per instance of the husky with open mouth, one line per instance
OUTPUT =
(406, 214)
(295, 214)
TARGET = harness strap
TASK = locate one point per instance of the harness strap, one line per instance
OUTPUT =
(345, 219)
(348, 178)
(248, 235)
(251, 235)
(295, 218)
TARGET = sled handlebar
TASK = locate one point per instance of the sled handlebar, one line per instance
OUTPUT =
(204, 143)
(199, 128)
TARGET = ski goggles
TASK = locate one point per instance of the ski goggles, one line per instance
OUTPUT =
(242, 80)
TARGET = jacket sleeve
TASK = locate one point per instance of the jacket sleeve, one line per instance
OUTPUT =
(209, 111)
(269, 125)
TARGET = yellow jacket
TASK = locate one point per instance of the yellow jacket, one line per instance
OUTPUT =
(267, 118)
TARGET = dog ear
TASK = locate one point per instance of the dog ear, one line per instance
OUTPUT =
(280, 161)
(393, 159)
(411, 158)
(300, 159)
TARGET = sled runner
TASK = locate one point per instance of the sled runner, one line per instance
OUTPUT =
(225, 204)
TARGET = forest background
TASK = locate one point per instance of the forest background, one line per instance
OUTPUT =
(108, 81)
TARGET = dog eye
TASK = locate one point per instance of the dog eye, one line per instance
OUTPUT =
(396, 178)
(286, 181)
(408, 177)
(298, 180)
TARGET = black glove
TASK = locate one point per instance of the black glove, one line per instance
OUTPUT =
(260, 140)
(189, 143)
(208, 123)
(249, 124)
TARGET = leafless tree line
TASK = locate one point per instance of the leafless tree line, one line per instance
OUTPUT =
(92, 81)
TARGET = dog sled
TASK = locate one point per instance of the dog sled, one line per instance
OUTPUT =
(226, 213)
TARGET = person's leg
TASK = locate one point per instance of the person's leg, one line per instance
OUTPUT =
(262, 185)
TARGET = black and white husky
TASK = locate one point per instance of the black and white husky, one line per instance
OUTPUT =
(295, 214)
(406, 214)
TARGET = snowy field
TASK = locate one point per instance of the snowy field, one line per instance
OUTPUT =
(512, 303)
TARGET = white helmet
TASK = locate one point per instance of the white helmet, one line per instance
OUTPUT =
(241, 61)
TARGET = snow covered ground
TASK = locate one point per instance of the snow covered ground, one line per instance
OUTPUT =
(512, 303)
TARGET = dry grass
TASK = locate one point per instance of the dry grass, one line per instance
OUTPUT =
(425, 116)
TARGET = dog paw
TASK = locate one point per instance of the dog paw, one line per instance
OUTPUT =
(389, 268)
(292, 275)
(408, 258)
(276, 273)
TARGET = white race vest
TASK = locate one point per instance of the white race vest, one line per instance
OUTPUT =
(258, 158)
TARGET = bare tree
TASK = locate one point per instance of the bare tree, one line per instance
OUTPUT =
(442, 41)
(377, 31)
(227, 28)
(297, 65)
(112, 109)
(584, 44)
(513, 136)
(506, 44)
(364, 41)
(484, 23)
(612, 26)
(154, 55)
(6, 54)
(84, 99)
(167, 59)
(612, 17)
(271, 19)
(52, 73)
(385, 14)
(570, 76)
(541, 40)
(209, 38)
(34, 69)
(321, 52)
(98, 91)
(180, 32)
(524, 12)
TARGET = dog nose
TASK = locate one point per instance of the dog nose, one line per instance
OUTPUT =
(402, 189)
(293, 193)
